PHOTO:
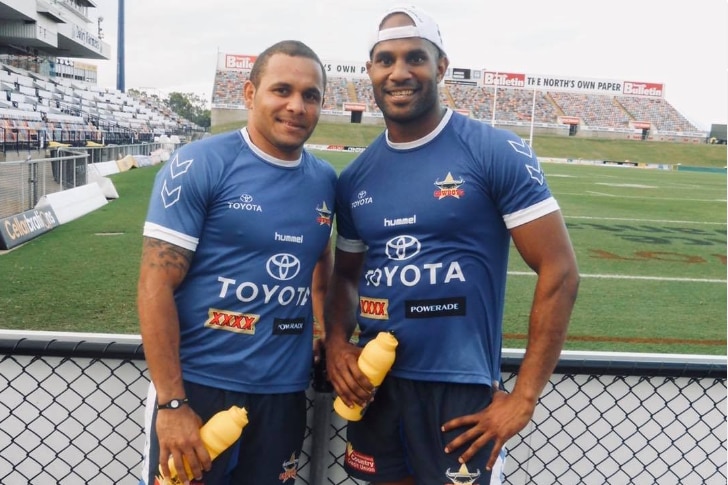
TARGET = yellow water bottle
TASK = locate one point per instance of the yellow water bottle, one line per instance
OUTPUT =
(217, 434)
(375, 360)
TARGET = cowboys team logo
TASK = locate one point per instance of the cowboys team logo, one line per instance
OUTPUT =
(324, 215)
(450, 187)
(290, 469)
(463, 476)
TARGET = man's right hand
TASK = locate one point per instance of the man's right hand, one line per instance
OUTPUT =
(178, 432)
(350, 383)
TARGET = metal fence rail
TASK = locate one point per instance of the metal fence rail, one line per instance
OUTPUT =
(24, 182)
(72, 406)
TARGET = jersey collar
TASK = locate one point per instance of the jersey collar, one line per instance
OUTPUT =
(408, 145)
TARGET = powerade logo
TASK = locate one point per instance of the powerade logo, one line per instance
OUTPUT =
(442, 307)
(288, 326)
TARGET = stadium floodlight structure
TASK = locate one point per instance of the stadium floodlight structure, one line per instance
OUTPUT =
(120, 56)
(495, 97)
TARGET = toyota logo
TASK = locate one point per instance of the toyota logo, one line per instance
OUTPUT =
(402, 247)
(283, 266)
(247, 198)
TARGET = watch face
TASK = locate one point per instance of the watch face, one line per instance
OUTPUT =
(174, 403)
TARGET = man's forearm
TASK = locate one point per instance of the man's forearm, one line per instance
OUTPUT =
(341, 305)
(549, 321)
(160, 336)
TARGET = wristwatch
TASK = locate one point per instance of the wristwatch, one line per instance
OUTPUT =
(173, 404)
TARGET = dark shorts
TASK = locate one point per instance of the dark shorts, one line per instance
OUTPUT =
(400, 434)
(268, 450)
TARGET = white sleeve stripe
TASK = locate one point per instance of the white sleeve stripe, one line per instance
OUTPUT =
(173, 237)
(531, 213)
(350, 245)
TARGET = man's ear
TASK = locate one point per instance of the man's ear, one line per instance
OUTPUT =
(442, 65)
(248, 93)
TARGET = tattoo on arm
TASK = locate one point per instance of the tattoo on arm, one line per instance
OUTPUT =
(163, 255)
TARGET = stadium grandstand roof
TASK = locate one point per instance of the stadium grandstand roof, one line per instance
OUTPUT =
(60, 28)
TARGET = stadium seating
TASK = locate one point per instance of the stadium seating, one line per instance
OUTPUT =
(513, 106)
(36, 110)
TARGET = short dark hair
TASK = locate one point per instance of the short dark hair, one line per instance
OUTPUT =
(293, 48)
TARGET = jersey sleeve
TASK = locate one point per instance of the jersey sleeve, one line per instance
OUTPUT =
(179, 199)
(347, 238)
(517, 180)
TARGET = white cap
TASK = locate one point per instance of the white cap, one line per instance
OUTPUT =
(424, 27)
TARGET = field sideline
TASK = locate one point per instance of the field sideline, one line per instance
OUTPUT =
(651, 247)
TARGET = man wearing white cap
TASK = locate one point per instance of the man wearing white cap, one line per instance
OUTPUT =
(425, 217)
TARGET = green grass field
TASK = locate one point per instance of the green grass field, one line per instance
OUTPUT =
(651, 247)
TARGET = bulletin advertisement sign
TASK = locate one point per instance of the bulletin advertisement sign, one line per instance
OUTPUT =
(542, 82)
(235, 62)
(483, 77)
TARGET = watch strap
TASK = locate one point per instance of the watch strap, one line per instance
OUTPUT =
(173, 403)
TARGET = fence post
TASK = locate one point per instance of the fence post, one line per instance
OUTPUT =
(322, 405)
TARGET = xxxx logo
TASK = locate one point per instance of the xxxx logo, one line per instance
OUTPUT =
(233, 321)
(376, 308)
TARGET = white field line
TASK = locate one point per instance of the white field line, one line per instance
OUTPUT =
(629, 219)
(627, 277)
(602, 194)
(591, 192)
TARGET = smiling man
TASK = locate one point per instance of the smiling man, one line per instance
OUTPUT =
(235, 263)
(425, 218)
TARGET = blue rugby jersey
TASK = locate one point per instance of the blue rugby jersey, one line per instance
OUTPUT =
(434, 217)
(257, 227)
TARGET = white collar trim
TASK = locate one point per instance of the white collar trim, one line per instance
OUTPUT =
(265, 156)
(408, 145)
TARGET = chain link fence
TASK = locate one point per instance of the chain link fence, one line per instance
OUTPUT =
(72, 407)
